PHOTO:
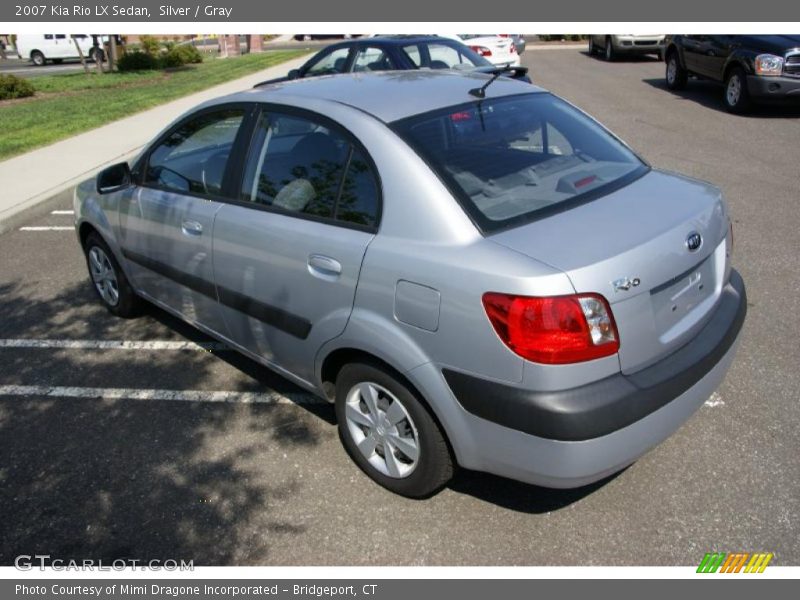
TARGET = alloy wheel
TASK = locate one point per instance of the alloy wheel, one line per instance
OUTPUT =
(672, 70)
(103, 276)
(382, 430)
(734, 91)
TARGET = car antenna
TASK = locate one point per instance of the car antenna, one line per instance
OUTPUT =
(495, 73)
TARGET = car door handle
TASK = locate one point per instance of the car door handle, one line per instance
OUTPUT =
(191, 228)
(324, 267)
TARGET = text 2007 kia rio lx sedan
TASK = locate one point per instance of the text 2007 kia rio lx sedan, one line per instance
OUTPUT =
(473, 270)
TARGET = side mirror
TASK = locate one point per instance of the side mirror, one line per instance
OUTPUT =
(294, 74)
(113, 178)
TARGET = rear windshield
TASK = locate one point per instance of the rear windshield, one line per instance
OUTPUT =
(513, 159)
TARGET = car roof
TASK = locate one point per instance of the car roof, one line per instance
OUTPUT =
(387, 95)
(396, 40)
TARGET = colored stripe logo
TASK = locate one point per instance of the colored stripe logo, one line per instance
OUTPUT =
(734, 562)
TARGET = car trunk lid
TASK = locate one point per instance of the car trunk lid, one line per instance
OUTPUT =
(632, 247)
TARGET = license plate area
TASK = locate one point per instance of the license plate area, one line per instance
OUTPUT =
(674, 300)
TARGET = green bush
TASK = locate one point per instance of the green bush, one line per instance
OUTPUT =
(137, 61)
(150, 45)
(177, 56)
(12, 86)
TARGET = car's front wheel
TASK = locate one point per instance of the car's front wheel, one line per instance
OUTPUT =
(108, 279)
(676, 75)
(37, 58)
(389, 432)
(608, 52)
(737, 96)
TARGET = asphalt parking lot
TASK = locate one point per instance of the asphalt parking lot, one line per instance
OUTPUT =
(161, 467)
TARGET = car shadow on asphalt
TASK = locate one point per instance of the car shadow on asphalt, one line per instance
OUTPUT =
(709, 94)
(122, 479)
(261, 375)
(624, 58)
(522, 497)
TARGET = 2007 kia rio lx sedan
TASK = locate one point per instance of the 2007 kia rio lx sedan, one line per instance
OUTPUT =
(473, 270)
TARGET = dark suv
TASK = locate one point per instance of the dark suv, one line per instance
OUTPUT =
(754, 68)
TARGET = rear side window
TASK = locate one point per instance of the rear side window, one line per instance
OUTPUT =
(358, 202)
(511, 159)
(193, 158)
(303, 167)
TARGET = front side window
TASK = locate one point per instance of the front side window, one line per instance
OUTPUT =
(372, 59)
(301, 166)
(330, 64)
(509, 159)
(194, 157)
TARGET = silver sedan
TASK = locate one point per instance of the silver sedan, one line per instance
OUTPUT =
(474, 271)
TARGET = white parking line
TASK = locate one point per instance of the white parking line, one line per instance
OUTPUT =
(62, 212)
(715, 400)
(154, 394)
(113, 344)
(47, 229)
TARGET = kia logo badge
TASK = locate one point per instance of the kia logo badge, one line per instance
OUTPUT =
(693, 241)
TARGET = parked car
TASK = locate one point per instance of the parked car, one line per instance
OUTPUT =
(497, 49)
(519, 41)
(753, 68)
(389, 53)
(42, 47)
(474, 271)
(613, 46)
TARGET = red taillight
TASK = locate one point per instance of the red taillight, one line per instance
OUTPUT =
(555, 329)
(482, 50)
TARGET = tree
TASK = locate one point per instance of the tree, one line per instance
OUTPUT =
(80, 54)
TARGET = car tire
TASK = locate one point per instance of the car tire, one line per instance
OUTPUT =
(675, 74)
(737, 96)
(592, 47)
(376, 410)
(608, 51)
(94, 53)
(37, 58)
(108, 279)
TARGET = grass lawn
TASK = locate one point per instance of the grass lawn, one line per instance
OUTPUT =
(72, 103)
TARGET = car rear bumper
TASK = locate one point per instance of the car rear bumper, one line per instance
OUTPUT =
(573, 437)
(635, 45)
(774, 88)
(508, 61)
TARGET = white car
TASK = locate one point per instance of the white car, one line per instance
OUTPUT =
(42, 47)
(497, 49)
(614, 46)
